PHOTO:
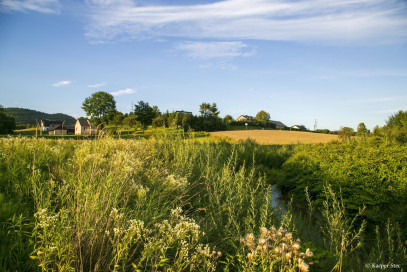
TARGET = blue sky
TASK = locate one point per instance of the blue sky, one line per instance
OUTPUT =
(340, 62)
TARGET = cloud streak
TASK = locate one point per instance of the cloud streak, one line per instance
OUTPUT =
(97, 85)
(42, 6)
(214, 50)
(318, 21)
(62, 83)
(123, 92)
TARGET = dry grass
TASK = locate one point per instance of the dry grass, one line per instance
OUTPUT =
(277, 136)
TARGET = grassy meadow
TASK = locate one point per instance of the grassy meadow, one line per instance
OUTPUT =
(175, 203)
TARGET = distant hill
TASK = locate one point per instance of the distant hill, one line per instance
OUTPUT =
(30, 117)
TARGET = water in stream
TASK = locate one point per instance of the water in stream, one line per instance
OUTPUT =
(277, 200)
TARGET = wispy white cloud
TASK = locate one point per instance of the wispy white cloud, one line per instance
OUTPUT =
(215, 50)
(333, 22)
(62, 83)
(123, 92)
(97, 85)
(42, 6)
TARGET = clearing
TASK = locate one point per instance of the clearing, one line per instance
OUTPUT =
(269, 137)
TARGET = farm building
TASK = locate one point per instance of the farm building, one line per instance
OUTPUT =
(46, 124)
(245, 118)
(57, 129)
(84, 127)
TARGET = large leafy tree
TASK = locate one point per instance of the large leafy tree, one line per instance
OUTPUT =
(262, 116)
(7, 122)
(144, 114)
(100, 106)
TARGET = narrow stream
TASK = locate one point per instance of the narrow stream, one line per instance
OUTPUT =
(277, 200)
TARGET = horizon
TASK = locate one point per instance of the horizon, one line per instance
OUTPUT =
(338, 62)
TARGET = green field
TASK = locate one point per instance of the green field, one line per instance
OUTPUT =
(174, 203)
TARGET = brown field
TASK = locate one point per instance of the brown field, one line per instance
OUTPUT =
(277, 136)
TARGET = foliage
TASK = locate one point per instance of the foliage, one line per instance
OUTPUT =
(144, 114)
(325, 131)
(26, 117)
(7, 122)
(345, 133)
(227, 119)
(100, 106)
(130, 121)
(119, 205)
(118, 119)
(206, 109)
(262, 116)
(362, 130)
(370, 172)
(173, 203)
(398, 120)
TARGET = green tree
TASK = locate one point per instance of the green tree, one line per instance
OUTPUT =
(398, 120)
(345, 133)
(7, 122)
(118, 119)
(228, 119)
(207, 109)
(100, 106)
(362, 130)
(130, 121)
(262, 116)
(158, 121)
(144, 114)
(396, 127)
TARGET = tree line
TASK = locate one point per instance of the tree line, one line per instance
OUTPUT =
(101, 107)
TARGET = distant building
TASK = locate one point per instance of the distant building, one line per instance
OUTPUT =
(84, 127)
(278, 124)
(302, 127)
(245, 118)
(57, 129)
(46, 124)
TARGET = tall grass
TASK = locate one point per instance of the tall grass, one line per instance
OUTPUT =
(169, 203)
(120, 205)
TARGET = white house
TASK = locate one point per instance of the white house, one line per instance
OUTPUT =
(84, 127)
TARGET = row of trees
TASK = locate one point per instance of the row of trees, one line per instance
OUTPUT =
(395, 129)
(101, 107)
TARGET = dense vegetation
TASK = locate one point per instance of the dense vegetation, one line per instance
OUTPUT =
(369, 171)
(127, 204)
(175, 203)
(167, 203)
(7, 122)
(29, 118)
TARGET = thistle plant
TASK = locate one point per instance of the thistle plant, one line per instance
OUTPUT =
(273, 249)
